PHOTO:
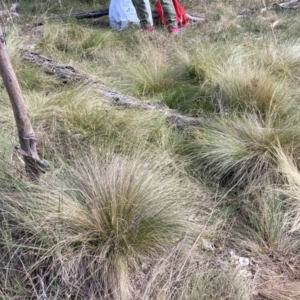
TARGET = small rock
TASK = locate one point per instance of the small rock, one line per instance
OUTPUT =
(244, 261)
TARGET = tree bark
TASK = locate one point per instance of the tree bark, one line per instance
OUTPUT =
(34, 166)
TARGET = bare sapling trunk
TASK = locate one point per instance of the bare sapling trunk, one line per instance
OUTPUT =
(34, 166)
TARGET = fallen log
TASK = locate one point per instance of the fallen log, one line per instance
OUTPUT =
(68, 74)
(92, 14)
(105, 12)
(293, 4)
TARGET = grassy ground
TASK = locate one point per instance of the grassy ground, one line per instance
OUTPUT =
(135, 208)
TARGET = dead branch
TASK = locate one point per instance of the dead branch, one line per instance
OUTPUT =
(68, 74)
(104, 12)
(30, 26)
(34, 166)
(292, 4)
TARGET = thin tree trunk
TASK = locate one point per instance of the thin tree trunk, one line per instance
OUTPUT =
(34, 166)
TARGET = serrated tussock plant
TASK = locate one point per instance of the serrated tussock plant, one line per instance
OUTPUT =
(202, 61)
(111, 217)
(289, 167)
(246, 86)
(152, 71)
(240, 151)
(89, 230)
(262, 226)
(80, 115)
(14, 43)
(209, 283)
(70, 38)
(282, 60)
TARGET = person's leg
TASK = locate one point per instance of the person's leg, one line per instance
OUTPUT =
(142, 13)
(169, 13)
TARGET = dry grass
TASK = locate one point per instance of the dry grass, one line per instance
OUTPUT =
(289, 291)
(123, 214)
(97, 224)
(240, 152)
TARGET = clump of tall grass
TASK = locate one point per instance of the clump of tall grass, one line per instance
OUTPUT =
(71, 117)
(262, 226)
(247, 86)
(289, 167)
(14, 43)
(202, 61)
(72, 40)
(241, 151)
(209, 283)
(237, 79)
(282, 60)
(95, 225)
(152, 71)
(267, 227)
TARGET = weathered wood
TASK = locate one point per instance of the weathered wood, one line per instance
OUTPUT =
(292, 4)
(105, 12)
(34, 166)
(69, 74)
(91, 14)
(30, 26)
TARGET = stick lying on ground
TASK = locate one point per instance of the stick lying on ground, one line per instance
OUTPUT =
(94, 14)
(105, 12)
(69, 74)
(287, 5)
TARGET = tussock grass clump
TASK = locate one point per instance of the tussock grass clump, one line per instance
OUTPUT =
(202, 61)
(100, 222)
(247, 86)
(241, 151)
(121, 217)
(80, 116)
(152, 71)
(289, 167)
(263, 227)
(253, 90)
(74, 40)
(14, 42)
(208, 283)
(283, 60)
(32, 78)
